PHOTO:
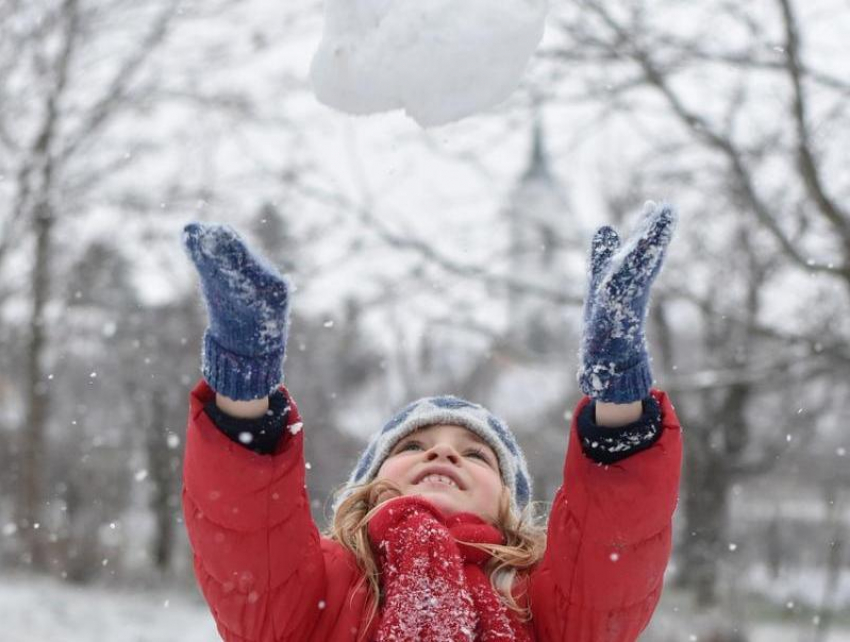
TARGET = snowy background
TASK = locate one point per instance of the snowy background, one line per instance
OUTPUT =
(442, 260)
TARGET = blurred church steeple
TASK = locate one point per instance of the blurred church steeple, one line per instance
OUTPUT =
(542, 230)
(538, 165)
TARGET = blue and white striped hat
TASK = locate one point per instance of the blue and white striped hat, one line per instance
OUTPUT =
(447, 409)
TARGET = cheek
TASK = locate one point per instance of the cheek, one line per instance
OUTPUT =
(489, 506)
(393, 469)
(491, 486)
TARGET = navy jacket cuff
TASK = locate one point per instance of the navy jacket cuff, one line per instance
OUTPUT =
(606, 445)
(261, 434)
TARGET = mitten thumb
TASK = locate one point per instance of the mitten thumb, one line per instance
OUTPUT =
(605, 242)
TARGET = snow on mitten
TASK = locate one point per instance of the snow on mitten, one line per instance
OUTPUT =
(614, 362)
(248, 308)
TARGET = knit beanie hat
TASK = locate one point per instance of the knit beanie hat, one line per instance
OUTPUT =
(446, 409)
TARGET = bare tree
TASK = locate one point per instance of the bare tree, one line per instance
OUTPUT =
(699, 108)
(44, 145)
(646, 55)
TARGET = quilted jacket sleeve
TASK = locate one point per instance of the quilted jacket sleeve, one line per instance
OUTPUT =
(609, 540)
(257, 552)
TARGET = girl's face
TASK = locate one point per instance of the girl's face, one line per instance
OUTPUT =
(451, 467)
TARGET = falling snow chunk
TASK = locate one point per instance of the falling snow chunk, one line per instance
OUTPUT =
(308, 465)
(328, 324)
(246, 437)
(438, 60)
(321, 604)
(173, 441)
(141, 475)
(614, 557)
(296, 427)
(840, 451)
(10, 529)
(93, 375)
(733, 547)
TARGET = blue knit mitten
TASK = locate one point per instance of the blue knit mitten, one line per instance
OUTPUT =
(248, 309)
(614, 365)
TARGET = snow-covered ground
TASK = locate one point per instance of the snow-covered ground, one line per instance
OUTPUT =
(44, 610)
(755, 620)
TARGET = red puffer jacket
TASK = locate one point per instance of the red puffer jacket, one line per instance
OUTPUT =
(269, 576)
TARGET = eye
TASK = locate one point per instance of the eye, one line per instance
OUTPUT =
(480, 454)
(408, 445)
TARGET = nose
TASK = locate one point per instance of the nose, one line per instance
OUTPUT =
(441, 450)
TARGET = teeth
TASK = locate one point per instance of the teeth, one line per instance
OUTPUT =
(440, 479)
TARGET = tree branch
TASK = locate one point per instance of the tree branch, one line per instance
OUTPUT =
(428, 251)
(805, 156)
(703, 130)
(39, 158)
(105, 108)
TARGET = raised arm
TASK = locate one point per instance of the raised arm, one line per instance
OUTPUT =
(609, 537)
(611, 521)
(257, 552)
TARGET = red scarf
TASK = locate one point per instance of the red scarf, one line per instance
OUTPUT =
(435, 589)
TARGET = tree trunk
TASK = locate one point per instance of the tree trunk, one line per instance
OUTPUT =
(38, 180)
(826, 611)
(159, 463)
(705, 513)
(32, 491)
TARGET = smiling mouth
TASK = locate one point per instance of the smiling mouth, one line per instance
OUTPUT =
(438, 480)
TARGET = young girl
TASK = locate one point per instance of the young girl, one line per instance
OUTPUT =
(432, 539)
